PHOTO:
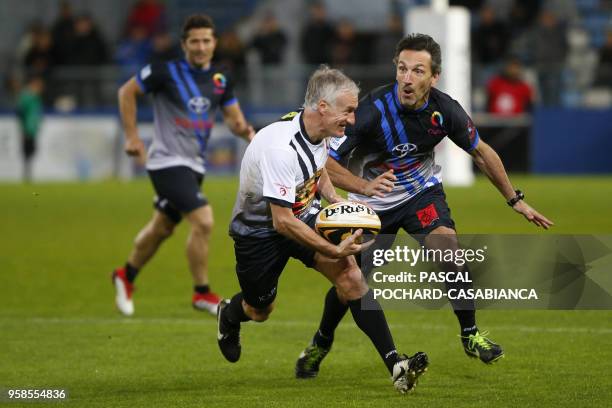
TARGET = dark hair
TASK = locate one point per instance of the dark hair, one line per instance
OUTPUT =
(196, 21)
(421, 42)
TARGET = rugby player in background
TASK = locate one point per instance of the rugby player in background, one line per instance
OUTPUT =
(186, 94)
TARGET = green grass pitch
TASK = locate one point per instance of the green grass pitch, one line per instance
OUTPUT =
(59, 329)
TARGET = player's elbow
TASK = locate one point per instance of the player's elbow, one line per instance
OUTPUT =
(127, 91)
(122, 90)
(478, 154)
(478, 160)
(122, 94)
(281, 225)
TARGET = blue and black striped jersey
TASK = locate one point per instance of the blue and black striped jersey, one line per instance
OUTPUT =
(388, 136)
(185, 100)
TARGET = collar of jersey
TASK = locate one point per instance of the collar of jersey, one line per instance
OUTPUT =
(303, 131)
(401, 107)
(184, 63)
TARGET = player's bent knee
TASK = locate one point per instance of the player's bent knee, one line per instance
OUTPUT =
(204, 227)
(442, 230)
(442, 237)
(350, 284)
(202, 224)
(164, 231)
(201, 220)
(259, 315)
(161, 226)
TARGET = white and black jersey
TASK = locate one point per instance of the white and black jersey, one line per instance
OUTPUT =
(281, 166)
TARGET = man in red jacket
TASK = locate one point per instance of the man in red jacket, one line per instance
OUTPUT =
(508, 94)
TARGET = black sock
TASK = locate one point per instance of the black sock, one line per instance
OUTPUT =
(234, 314)
(322, 340)
(130, 272)
(374, 324)
(467, 321)
(201, 289)
(465, 309)
(333, 312)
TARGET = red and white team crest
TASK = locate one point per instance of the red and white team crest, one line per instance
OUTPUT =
(282, 189)
(471, 131)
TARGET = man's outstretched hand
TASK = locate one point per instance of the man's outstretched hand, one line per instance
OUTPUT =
(532, 215)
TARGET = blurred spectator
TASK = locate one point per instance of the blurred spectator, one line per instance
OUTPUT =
(231, 53)
(148, 14)
(29, 111)
(472, 5)
(502, 8)
(603, 76)
(62, 33)
(88, 48)
(133, 52)
(164, 48)
(317, 36)
(39, 57)
(270, 41)
(548, 45)
(344, 48)
(490, 39)
(522, 14)
(564, 10)
(508, 93)
(24, 44)
(388, 39)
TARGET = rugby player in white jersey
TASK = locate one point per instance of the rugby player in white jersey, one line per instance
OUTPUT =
(282, 180)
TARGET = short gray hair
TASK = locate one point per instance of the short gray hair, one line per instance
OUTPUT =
(326, 84)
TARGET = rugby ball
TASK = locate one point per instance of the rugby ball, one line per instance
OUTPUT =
(338, 221)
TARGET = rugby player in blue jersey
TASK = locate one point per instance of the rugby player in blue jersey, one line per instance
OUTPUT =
(387, 161)
(186, 95)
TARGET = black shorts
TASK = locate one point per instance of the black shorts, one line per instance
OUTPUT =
(260, 262)
(418, 216)
(178, 191)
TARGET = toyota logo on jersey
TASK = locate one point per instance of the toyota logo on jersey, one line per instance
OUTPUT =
(403, 149)
(199, 104)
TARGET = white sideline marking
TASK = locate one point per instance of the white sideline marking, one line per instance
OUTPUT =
(282, 323)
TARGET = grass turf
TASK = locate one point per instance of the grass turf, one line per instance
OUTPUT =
(59, 329)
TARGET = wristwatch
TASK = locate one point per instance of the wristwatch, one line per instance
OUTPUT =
(518, 197)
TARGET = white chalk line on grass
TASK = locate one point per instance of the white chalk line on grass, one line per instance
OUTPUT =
(284, 323)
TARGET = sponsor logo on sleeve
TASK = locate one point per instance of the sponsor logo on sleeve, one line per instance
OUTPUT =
(471, 130)
(282, 189)
(336, 142)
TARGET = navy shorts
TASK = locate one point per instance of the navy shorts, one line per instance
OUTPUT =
(178, 191)
(260, 262)
(418, 216)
